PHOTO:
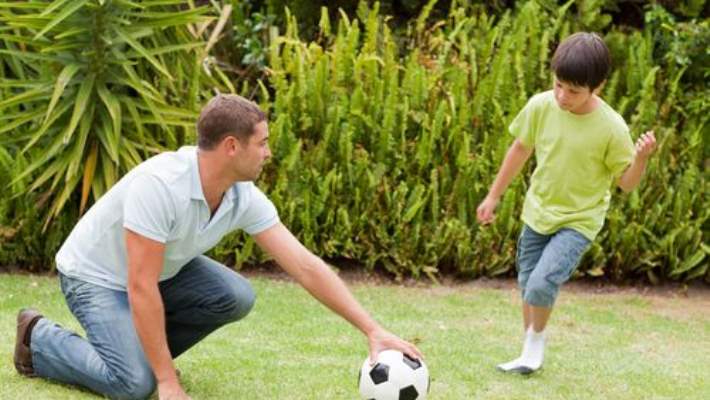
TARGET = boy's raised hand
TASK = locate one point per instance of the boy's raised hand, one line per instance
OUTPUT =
(485, 211)
(645, 145)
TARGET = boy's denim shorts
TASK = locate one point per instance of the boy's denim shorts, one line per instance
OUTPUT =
(545, 262)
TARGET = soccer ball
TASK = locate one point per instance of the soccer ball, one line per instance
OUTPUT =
(394, 376)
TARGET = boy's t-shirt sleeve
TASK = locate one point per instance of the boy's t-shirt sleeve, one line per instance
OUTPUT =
(525, 126)
(260, 214)
(148, 209)
(621, 151)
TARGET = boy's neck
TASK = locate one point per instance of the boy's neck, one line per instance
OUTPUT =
(588, 107)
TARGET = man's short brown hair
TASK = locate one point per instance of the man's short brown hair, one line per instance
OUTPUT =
(583, 60)
(227, 115)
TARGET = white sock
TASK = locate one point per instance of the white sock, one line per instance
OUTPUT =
(533, 349)
(532, 356)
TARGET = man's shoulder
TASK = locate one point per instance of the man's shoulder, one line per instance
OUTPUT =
(254, 212)
(171, 167)
(247, 192)
(248, 196)
(165, 177)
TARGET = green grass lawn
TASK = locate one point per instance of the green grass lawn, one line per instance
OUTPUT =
(619, 345)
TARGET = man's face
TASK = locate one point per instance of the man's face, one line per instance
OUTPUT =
(572, 98)
(250, 157)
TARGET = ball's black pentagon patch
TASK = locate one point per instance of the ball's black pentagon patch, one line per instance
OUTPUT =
(413, 363)
(380, 373)
(408, 393)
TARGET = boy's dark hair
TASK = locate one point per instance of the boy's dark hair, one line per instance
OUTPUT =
(583, 60)
(227, 115)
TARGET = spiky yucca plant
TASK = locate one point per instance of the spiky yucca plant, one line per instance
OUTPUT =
(92, 87)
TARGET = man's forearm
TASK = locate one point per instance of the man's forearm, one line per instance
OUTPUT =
(321, 282)
(315, 276)
(149, 319)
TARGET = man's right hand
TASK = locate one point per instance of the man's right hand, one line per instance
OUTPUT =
(171, 391)
(380, 340)
(485, 213)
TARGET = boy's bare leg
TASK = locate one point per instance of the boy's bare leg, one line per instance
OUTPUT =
(539, 317)
(527, 316)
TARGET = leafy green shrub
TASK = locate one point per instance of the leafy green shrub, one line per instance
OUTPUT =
(383, 143)
(383, 158)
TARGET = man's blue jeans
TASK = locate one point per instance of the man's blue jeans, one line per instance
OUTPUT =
(202, 297)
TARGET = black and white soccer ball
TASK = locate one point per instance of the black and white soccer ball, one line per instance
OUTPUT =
(395, 376)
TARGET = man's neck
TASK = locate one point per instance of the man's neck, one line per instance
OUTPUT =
(213, 181)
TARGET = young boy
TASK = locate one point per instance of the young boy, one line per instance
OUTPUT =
(581, 146)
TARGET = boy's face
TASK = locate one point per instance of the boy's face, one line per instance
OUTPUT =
(573, 98)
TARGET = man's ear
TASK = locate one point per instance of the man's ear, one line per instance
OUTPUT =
(231, 144)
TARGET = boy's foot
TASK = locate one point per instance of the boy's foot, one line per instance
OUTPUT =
(531, 359)
(26, 320)
(516, 367)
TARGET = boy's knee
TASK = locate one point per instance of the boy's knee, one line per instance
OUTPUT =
(523, 280)
(541, 292)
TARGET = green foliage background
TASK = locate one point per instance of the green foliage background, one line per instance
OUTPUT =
(385, 142)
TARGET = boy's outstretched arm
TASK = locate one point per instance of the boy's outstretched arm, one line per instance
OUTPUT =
(514, 160)
(645, 145)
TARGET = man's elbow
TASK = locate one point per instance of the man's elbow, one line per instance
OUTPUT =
(137, 289)
(310, 270)
(312, 264)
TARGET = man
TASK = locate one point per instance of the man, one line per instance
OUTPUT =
(133, 273)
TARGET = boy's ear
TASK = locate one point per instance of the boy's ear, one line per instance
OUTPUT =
(599, 88)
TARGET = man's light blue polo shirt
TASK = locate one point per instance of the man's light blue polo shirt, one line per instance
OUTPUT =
(162, 200)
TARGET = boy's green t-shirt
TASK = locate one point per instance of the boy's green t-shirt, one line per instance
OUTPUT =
(578, 158)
